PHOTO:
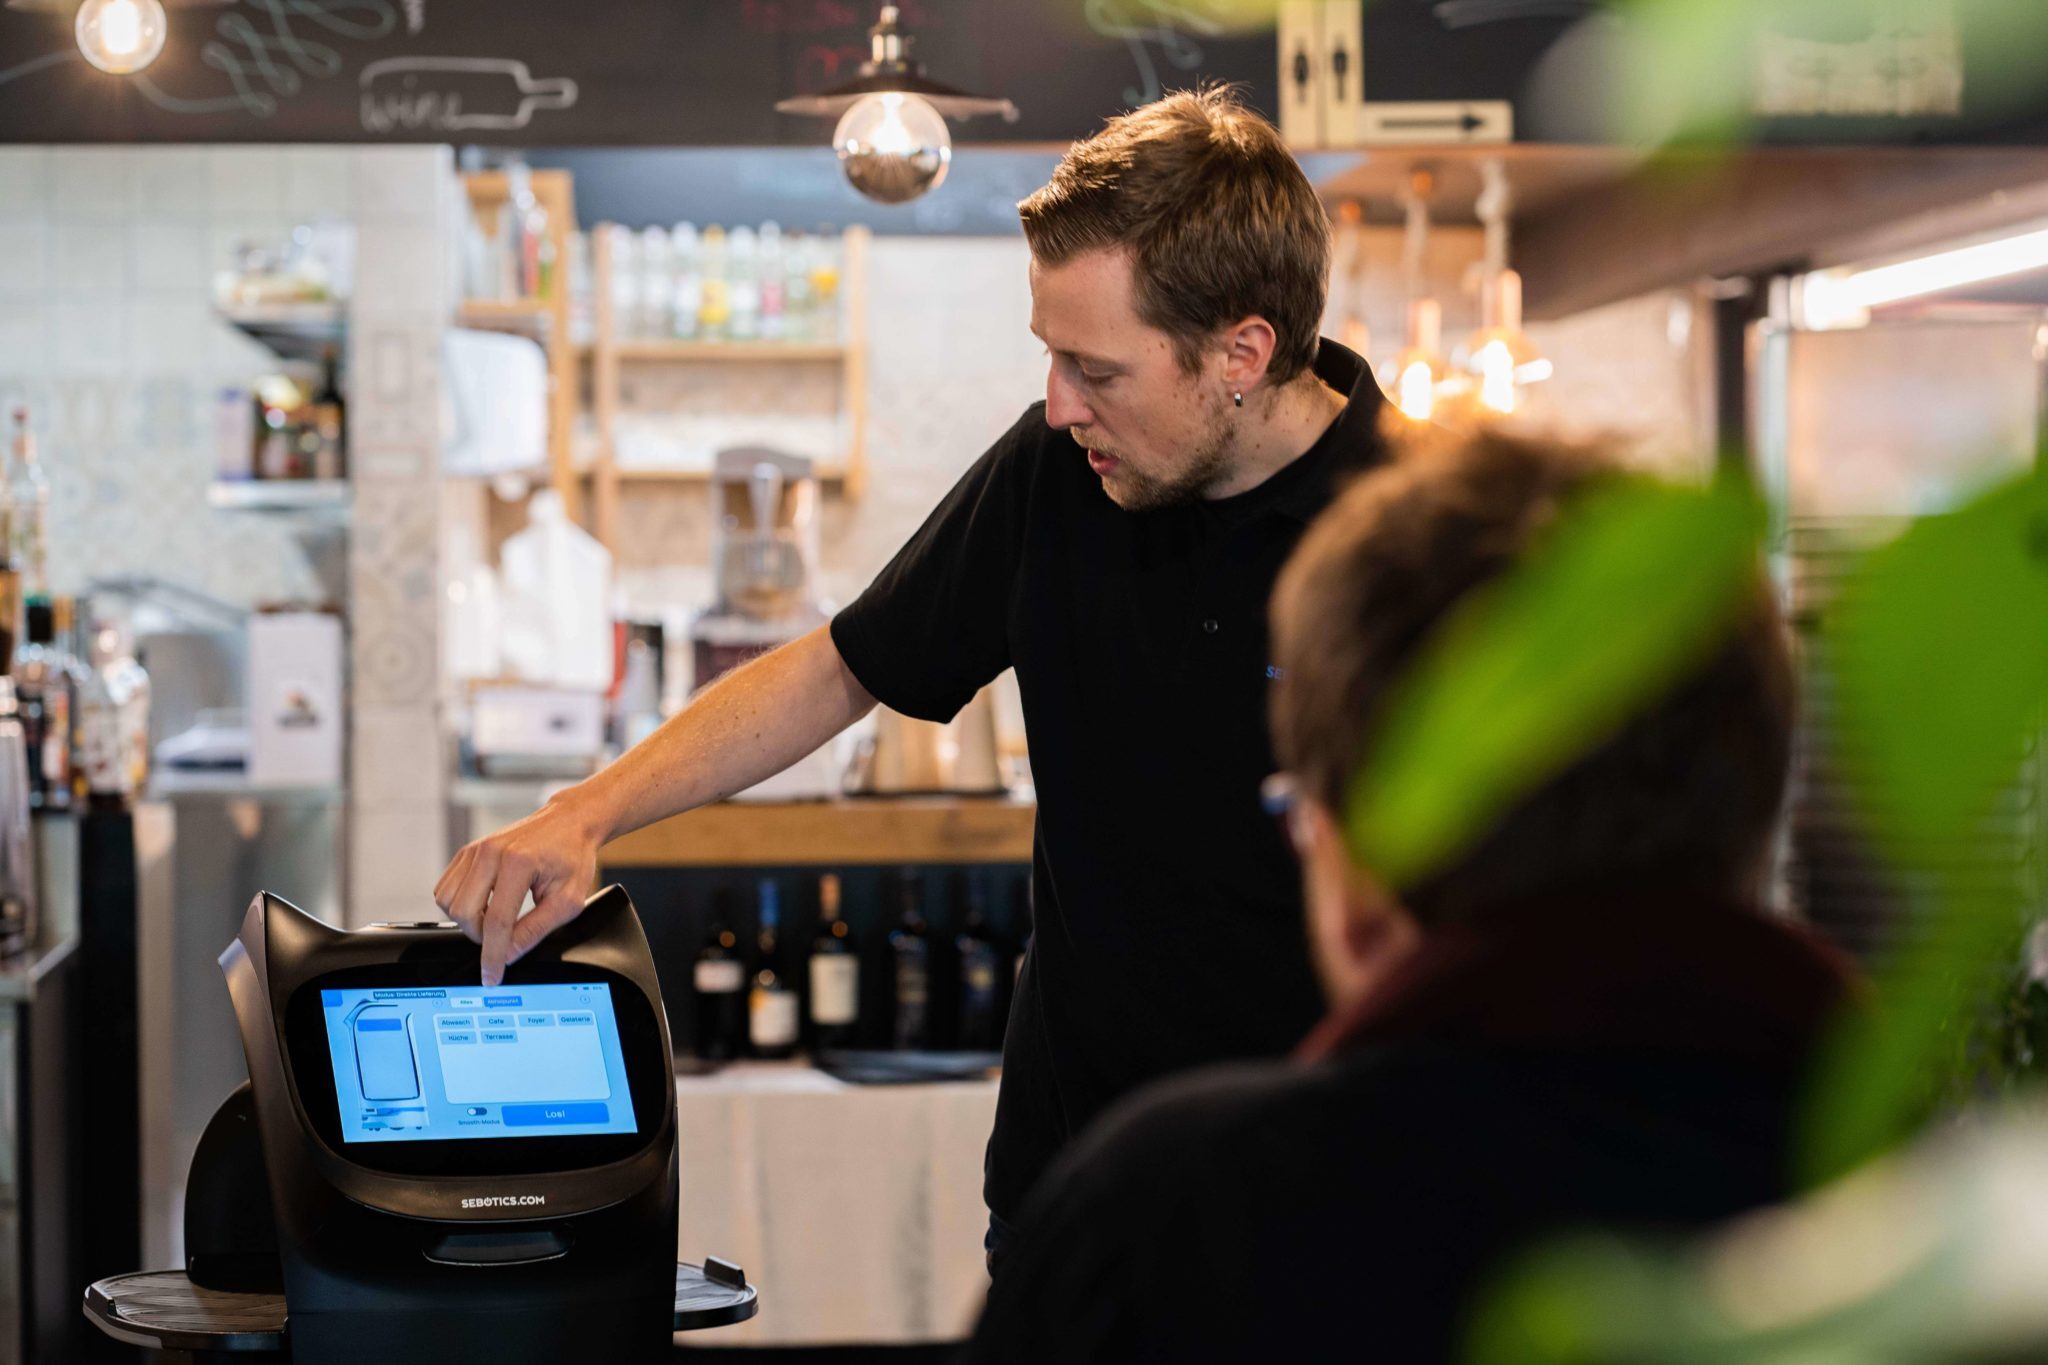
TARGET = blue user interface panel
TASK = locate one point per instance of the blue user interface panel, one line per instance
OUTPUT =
(413, 1065)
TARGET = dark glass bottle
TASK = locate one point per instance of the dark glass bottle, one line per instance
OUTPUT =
(720, 979)
(981, 965)
(330, 422)
(771, 1003)
(43, 682)
(910, 956)
(835, 973)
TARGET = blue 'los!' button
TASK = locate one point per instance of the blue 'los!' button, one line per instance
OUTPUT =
(554, 1115)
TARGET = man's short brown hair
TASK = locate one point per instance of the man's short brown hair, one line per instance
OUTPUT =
(1219, 220)
(1682, 799)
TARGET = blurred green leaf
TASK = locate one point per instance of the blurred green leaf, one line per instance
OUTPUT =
(1635, 583)
(1939, 650)
(1689, 68)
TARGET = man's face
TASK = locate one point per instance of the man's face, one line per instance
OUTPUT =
(1153, 433)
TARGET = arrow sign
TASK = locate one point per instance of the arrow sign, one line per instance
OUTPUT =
(1423, 121)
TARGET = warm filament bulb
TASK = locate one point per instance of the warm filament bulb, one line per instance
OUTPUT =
(1415, 391)
(121, 28)
(892, 135)
(1496, 366)
(120, 36)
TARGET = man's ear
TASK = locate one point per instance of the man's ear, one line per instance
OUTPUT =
(1247, 351)
(1360, 929)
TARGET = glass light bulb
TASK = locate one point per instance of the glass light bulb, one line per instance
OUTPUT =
(893, 147)
(120, 36)
(1496, 366)
(1415, 391)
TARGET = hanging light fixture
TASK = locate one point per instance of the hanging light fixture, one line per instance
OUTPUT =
(1418, 370)
(1499, 358)
(119, 37)
(891, 137)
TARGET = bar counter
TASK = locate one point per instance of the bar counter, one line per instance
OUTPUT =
(845, 831)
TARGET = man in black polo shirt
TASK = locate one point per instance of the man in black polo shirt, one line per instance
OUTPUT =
(1116, 547)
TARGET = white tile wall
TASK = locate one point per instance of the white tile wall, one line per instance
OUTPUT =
(90, 182)
(24, 178)
(247, 179)
(89, 256)
(168, 255)
(170, 182)
(24, 336)
(24, 253)
(106, 330)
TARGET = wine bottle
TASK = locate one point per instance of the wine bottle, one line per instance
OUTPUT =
(835, 973)
(771, 1003)
(720, 978)
(981, 974)
(28, 498)
(43, 682)
(910, 954)
(330, 421)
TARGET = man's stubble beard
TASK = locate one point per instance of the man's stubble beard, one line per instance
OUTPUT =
(1134, 490)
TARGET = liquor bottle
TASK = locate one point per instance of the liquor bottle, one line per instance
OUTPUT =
(43, 685)
(796, 287)
(689, 299)
(131, 687)
(835, 973)
(771, 270)
(101, 761)
(743, 292)
(772, 1014)
(22, 438)
(825, 270)
(910, 954)
(18, 907)
(523, 245)
(981, 974)
(720, 979)
(714, 307)
(329, 422)
(625, 254)
(657, 282)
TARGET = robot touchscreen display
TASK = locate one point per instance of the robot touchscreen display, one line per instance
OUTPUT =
(425, 1063)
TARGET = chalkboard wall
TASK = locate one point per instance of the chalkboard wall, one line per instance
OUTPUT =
(679, 72)
(700, 73)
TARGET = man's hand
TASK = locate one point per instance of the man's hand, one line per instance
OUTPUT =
(552, 853)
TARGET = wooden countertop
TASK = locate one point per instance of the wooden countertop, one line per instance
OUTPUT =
(913, 829)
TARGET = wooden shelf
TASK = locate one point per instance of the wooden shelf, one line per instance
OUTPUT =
(826, 473)
(607, 352)
(524, 314)
(859, 831)
(725, 352)
(544, 319)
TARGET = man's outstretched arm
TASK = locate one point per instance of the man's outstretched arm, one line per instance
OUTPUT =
(747, 726)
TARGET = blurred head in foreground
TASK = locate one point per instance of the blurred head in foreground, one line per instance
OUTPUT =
(1681, 798)
(1575, 1021)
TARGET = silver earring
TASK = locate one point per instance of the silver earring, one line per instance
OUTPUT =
(1237, 398)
